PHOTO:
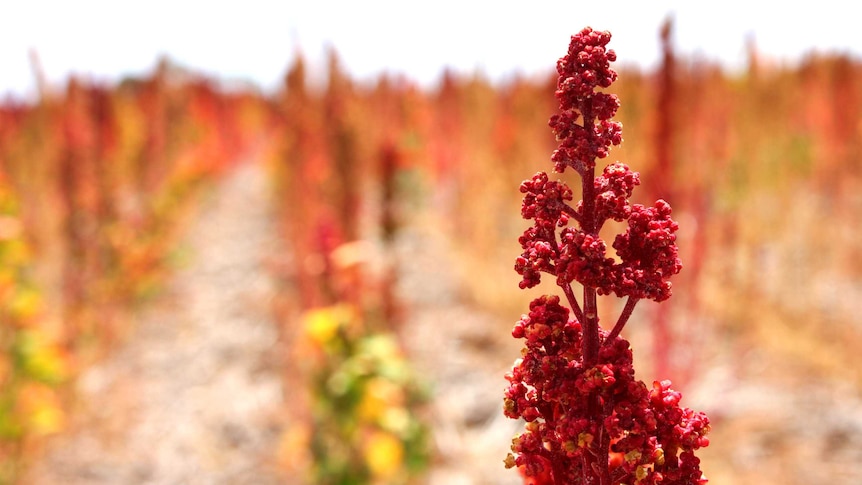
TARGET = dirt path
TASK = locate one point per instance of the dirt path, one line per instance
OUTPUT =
(465, 353)
(194, 396)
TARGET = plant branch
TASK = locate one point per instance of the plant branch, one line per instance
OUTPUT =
(573, 302)
(624, 317)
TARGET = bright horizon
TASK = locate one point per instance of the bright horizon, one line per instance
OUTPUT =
(105, 41)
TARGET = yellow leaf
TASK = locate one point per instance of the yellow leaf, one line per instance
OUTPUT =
(384, 455)
(42, 359)
(380, 394)
(39, 409)
(320, 325)
(25, 303)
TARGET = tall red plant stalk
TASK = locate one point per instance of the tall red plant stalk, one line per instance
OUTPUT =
(588, 420)
(662, 183)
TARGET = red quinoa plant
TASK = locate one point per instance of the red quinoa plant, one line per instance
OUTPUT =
(588, 420)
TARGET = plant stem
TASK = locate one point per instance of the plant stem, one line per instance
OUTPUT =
(573, 302)
(588, 225)
(590, 328)
(597, 460)
(624, 317)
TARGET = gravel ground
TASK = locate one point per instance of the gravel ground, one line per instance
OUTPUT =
(194, 396)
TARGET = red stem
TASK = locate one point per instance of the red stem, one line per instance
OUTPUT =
(624, 317)
(588, 225)
(597, 459)
(573, 302)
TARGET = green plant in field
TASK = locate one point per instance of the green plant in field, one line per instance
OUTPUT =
(365, 402)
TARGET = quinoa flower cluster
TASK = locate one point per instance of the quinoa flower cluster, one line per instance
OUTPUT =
(588, 419)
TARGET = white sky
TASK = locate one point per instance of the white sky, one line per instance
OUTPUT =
(256, 39)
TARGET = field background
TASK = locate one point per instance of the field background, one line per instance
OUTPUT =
(403, 200)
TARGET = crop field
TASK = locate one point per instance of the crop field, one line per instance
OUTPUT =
(316, 285)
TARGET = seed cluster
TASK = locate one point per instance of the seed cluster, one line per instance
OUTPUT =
(588, 419)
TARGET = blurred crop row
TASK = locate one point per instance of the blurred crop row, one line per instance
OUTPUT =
(95, 183)
(763, 167)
